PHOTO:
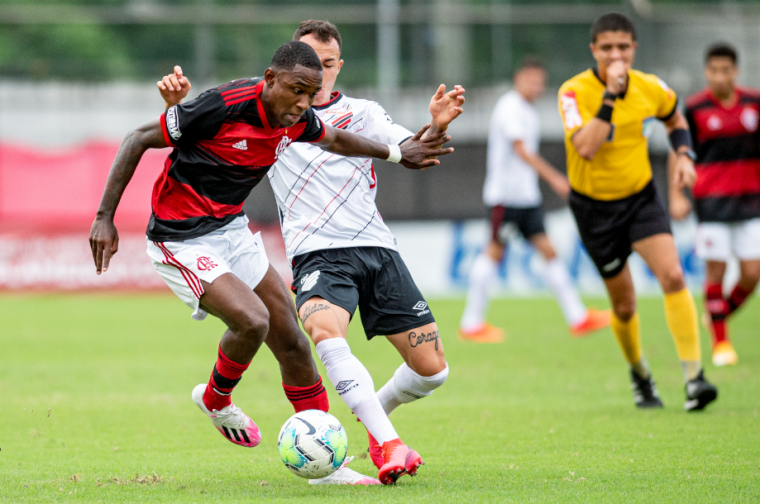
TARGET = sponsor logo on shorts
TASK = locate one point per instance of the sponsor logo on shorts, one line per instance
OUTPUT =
(310, 280)
(421, 307)
(172, 122)
(611, 265)
(205, 263)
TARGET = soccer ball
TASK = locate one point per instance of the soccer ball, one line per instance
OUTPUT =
(312, 444)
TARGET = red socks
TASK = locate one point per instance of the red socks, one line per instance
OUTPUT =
(305, 398)
(717, 307)
(737, 297)
(225, 376)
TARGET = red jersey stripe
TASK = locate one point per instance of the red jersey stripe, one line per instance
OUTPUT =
(242, 99)
(238, 90)
(728, 178)
(178, 201)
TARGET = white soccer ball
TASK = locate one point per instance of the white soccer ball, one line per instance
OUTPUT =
(312, 444)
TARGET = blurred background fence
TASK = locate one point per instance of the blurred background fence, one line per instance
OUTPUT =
(75, 76)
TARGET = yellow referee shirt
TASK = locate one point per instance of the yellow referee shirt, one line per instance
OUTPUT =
(621, 166)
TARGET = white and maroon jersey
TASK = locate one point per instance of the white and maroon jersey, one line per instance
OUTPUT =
(327, 201)
(510, 181)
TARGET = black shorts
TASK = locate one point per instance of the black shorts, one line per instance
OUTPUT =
(529, 221)
(373, 278)
(609, 228)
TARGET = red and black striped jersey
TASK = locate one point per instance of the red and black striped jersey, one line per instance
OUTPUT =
(727, 144)
(223, 146)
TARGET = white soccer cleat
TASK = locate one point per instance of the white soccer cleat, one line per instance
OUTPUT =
(235, 425)
(345, 476)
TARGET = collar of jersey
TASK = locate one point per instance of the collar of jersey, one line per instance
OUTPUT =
(334, 96)
(621, 95)
(260, 107)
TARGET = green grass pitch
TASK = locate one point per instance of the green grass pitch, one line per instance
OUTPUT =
(95, 406)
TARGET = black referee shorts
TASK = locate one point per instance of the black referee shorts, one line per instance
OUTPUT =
(609, 228)
(373, 278)
(529, 221)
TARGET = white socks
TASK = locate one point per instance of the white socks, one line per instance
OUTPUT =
(484, 270)
(354, 385)
(558, 279)
(406, 386)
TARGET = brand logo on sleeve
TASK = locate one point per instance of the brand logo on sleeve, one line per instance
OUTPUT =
(570, 110)
(241, 145)
(282, 146)
(172, 122)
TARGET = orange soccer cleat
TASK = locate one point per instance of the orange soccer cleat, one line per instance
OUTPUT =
(487, 333)
(399, 459)
(723, 354)
(595, 320)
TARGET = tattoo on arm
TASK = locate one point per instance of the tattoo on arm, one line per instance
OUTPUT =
(416, 340)
(311, 309)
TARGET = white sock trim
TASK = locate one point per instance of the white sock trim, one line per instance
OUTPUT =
(407, 386)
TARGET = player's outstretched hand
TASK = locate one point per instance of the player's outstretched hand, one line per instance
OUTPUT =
(416, 151)
(174, 87)
(104, 242)
(445, 107)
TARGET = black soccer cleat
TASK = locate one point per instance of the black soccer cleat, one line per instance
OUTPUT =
(645, 394)
(699, 393)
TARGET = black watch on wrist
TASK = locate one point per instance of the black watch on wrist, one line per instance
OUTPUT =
(609, 96)
(689, 153)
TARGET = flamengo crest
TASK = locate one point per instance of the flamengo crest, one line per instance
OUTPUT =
(282, 146)
(205, 263)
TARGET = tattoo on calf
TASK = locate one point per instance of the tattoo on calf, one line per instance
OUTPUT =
(310, 310)
(416, 340)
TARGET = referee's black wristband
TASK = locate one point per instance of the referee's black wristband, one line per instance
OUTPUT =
(680, 137)
(605, 113)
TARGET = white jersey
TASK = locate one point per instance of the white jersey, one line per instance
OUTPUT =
(510, 181)
(325, 200)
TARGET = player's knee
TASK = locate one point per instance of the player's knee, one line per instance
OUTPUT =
(672, 280)
(439, 378)
(253, 327)
(624, 310)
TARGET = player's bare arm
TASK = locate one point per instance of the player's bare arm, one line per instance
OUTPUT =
(679, 205)
(415, 152)
(174, 87)
(556, 180)
(104, 239)
(684, 174)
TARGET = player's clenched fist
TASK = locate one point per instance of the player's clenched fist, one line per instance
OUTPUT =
(174, 87)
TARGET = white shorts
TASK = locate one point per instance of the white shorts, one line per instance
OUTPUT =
(717, 241)
(231, 249)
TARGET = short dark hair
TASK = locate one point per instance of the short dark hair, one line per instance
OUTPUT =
(721, 50)
(531, 62)
(293, 53)
(611, 23)
(324, 31)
